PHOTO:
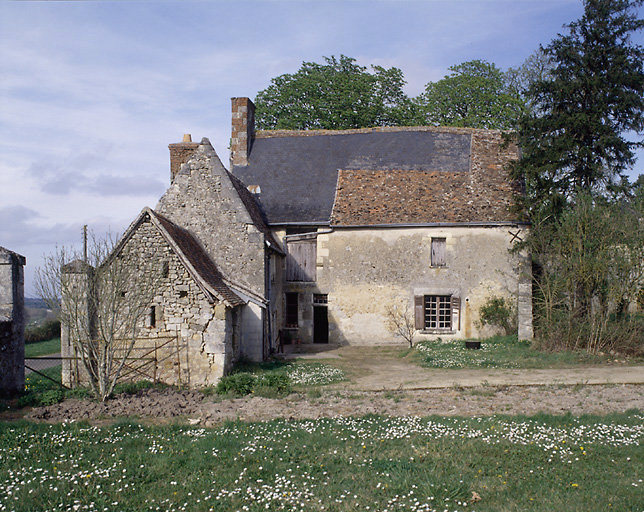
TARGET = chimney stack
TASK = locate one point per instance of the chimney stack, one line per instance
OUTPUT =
(243, 130)
(180, 153)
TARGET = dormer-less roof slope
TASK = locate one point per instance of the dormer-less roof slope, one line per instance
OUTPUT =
(190, 253)
(417, 197)
(482, 194)
(297, 171)
(254, 211)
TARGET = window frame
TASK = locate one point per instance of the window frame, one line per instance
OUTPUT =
(441, 247)
(437, 312)
(451, 308)
(289, 314)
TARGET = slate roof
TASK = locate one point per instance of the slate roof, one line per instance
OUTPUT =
(192, 251)
(366, 197)
(254, 211)
(298, 171)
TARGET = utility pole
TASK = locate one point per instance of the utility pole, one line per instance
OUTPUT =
(85, 243)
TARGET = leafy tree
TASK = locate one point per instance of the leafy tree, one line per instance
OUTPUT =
(590, 269)
(474, 94)
(338, 94)
(574, 139)
(537, 67)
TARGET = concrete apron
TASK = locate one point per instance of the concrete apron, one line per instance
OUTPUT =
(406, 377)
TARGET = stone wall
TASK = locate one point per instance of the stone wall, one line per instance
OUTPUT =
(203, 329)
(364, 271)
(193, 337)
(203, 200)
(180, 153)
(12, 322)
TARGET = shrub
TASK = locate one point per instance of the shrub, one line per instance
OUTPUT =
(43, 332)
(280, 383)
(238, 383)
(500, 312)
(51, 397)
(270, 384)
(133, 387)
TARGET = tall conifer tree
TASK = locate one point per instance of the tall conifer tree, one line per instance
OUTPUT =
(576, 138)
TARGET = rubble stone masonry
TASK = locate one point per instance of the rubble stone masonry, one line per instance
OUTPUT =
(12, 322)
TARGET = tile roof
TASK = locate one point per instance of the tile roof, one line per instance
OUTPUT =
(367, 197)
(198, 259)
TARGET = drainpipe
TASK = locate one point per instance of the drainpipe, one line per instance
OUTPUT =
(267, 286)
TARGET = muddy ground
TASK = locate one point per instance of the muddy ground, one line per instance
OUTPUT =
(193, 407)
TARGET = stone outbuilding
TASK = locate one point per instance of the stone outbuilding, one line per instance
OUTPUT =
(12, 321)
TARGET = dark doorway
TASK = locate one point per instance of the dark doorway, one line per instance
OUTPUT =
(320, 324)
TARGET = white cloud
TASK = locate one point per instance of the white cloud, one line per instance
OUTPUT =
(91, 93)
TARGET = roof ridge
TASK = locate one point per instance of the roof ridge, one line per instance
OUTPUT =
(267, 134)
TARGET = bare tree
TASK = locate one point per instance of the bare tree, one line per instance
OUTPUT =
(102, 298)
(402, 323)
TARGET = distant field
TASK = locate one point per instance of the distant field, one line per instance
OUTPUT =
(37, 311)
(42, 348)
(374, 463)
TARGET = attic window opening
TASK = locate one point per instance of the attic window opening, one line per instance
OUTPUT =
(438, 252)
(300, 260)
(183, 293)
(165, 271)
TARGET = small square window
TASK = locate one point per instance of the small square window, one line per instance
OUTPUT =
(320, 299)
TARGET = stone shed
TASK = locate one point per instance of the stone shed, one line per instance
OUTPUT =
(192, 330)
(12, 322)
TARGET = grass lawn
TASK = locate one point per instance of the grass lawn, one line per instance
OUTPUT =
(42, 348)
(302, 374)
(543, 463)
(500, 352)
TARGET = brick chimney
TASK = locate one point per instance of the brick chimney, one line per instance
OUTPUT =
(180, 153)
(243, 130)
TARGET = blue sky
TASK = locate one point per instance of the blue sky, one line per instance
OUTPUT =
(91, 93)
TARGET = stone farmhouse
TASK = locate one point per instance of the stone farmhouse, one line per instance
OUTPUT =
(312, 236)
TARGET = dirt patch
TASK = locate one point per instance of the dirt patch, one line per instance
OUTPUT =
(192, 406)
